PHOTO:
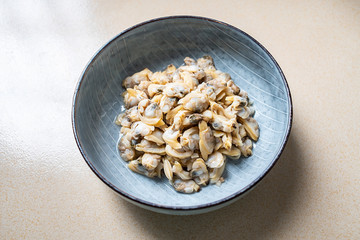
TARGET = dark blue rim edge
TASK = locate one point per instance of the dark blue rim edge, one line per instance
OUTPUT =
(192, 208)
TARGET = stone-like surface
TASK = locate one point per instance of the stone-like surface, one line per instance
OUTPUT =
(48, 192)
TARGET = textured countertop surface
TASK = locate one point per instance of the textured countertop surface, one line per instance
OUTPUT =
(48, 192)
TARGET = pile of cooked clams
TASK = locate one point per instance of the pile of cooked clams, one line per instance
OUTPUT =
(184, 122)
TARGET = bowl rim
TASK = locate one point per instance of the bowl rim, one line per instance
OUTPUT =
(222, 201)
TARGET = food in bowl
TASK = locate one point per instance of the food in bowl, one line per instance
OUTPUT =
(184, 122)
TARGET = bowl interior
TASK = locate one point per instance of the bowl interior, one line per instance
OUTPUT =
(154, 45)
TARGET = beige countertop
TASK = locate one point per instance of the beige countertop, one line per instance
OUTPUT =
(48, 192)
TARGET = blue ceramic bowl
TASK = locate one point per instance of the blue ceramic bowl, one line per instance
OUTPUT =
(155, 44)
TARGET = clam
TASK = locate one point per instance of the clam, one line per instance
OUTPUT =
(195, 155)
(168, 169)
(126, 151)
(246, 148)
(236, 140)
(236, 102)
(189, 80)
(251, 127)
(188, 186)
(125, 130)
(222, 76)
(180, 172)
(190, 139)
(160, 78)
(195, 102)
(192, 119)
(137, 78)
(200, 74)
(123, 120)
(150, 161)
(221, 95)
(167, 103)
(157, 99)
(132, 114)
(177, 153)
(244, 112)
(217, 108)
(208, 90)
(242, 131)
(150, 113)
(189, 61)
(235, 89)
(179, 119)
(143, 86)
(132, 97)
(136, 166)
(171, 114)
(218, 143)
(158, 169)
(206, 62)
(170, 70)
(227, 141)
(208, 115)
(215, 175)
(191, 69)
(233, 153)
(222, 123)
(156, 136)
(155, 89)
(215, 160)
(236, 135)
(140, 128)
(177, 89)
(150, 147)
(217, 84)
(207, 140)
(199, 172)
(171, 136)
(220, 137)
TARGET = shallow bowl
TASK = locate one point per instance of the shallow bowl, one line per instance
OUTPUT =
(155, 44)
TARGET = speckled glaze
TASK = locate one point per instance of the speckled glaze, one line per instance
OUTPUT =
(155, 44)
